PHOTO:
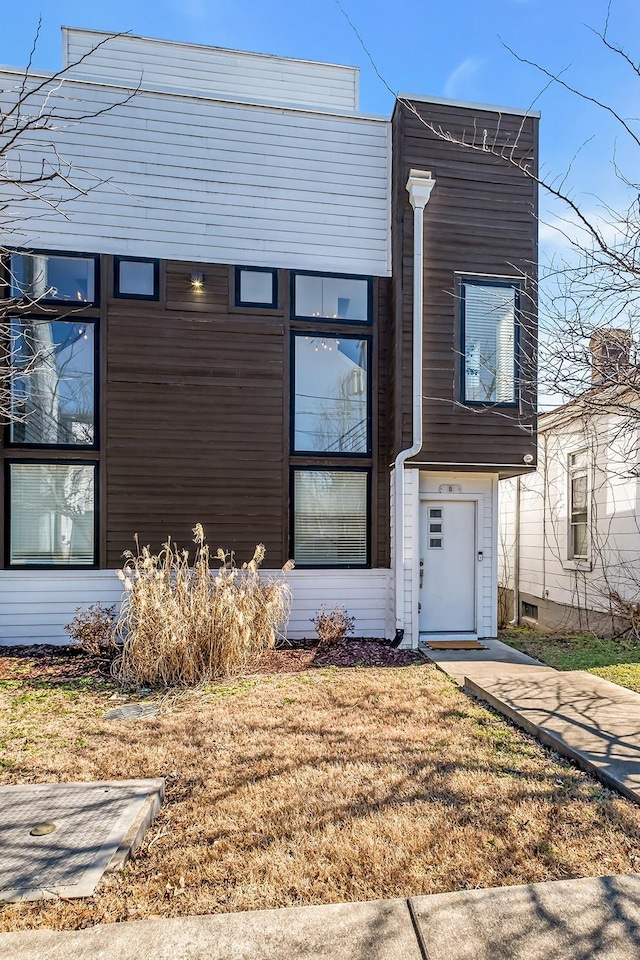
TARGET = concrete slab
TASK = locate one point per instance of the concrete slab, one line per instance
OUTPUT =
(594, 722)
(593, 919)
(497, 659)
(95, 825)
(378, 930)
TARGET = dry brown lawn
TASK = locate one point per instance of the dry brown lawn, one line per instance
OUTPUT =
(315, 786)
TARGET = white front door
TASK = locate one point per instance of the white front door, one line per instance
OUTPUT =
(448, 562)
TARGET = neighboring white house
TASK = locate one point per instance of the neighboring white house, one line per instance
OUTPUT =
(569, 534)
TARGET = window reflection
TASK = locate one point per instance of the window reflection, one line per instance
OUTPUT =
(49, 277)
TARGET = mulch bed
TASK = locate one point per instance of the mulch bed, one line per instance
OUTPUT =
(43, 662)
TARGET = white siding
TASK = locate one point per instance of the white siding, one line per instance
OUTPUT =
(188, 178)
(212, 71)
(35, 605)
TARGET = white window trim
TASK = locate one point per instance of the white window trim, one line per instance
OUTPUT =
(573, 562)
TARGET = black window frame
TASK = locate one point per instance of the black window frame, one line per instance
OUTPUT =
(332, 276)
(329, 468)
(333, 335)
(259, 305)
(52, 301)
(20, 445)
(47, 461)
(117, 260)
(487, 281)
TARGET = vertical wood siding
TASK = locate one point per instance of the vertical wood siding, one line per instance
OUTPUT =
(215, 72)
(187, 178)
(481, 218)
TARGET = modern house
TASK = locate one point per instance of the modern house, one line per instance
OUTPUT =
(569, 542)
(270, 313)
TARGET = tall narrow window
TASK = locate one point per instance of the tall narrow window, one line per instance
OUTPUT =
(330, 517)
(578, 506)
(489, 311)
(331, 395)
(51, 514)
(53, 390)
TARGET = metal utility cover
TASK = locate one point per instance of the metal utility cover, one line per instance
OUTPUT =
(93, 821)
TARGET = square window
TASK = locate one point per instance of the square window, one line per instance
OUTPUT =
(435, 543)
(331, 297)
(52, 277)
(330, 518)
(489, 349)
(330, 395)
(256, 287)
(51, 514)
(53, 389)
(136, 279)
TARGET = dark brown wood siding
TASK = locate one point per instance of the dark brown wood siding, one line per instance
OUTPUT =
(481, 219)
(197, 419)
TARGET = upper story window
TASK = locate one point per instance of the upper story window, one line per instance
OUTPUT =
(136, 279)
(578, 495)
(53, 389)
(256, 287)
(330, 394)
(338, 298)
(54, 278)
(489, 341)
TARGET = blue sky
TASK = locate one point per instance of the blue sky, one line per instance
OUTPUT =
(452, 49)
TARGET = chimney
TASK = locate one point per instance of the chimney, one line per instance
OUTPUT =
(610, 352)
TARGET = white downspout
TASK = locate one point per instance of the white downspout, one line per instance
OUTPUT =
(419, 186)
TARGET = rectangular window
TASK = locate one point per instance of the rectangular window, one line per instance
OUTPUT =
(330, 394)
(54, 277)
(53, 390)
(331, 297)
(256, 287)
(489, 311)
(136, 279)
(330, 518)
(51, 514)
(578, 506)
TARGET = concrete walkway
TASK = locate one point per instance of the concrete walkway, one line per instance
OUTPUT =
(594, 722)
(593, 919)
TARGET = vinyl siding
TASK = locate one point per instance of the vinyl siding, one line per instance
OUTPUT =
(214, 72)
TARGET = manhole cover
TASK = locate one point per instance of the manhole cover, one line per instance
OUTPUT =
(132, 711)
(91, 822)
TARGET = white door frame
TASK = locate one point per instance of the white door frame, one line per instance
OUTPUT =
(478, 499)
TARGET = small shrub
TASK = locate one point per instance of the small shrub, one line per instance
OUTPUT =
(93, 630)
(332, 626)
(182, 624)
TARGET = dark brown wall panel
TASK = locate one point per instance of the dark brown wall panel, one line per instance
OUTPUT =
(481, 218)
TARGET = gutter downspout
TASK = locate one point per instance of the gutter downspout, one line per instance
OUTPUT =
(419, 186)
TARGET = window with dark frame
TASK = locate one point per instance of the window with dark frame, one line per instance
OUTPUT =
(489, 311)
(331, 517)
(256, 287)
(578, 546)
(336, 297)
(46, 277)
(330, 394)
(136, 278)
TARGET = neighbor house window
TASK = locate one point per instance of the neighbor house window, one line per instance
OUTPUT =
(578, 506)
(489, 312)
(328, 297)
(51, 514)
(52, 277)
(136, 279)
(53, 387)
(256, 287)
(330, 517)
(330, 394)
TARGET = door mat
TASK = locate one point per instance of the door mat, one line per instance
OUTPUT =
(454, 645)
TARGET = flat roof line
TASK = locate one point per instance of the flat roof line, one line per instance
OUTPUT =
(469, 104)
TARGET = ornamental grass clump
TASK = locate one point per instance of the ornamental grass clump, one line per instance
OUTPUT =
(183, 624)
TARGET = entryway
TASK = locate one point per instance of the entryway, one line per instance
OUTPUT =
(448, 563)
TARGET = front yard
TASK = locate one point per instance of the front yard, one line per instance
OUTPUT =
(306, 782)
(616, 660)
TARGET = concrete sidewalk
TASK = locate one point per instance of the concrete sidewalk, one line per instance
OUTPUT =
(590, 720)
(596, 918)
